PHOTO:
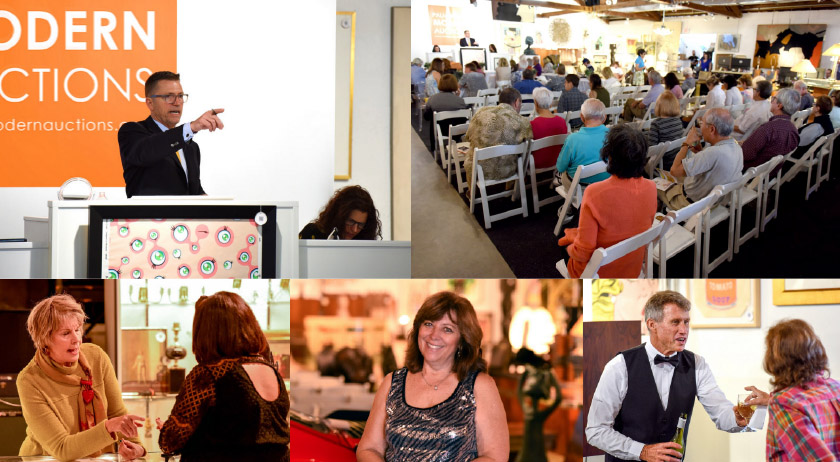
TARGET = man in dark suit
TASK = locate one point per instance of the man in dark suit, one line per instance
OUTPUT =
(466, 41)
(159, 156)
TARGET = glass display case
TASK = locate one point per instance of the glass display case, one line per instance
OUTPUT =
(154, 341)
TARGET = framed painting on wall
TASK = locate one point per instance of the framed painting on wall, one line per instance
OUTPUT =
(622, 299)
(728, 43)
(724, 303)
(784, 45)
(787, 292)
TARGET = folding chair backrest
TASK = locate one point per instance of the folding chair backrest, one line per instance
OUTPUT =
(455, 130)
(614, 112)
(654, 155)
(492, 100)
(501, 150)
(527, 109)
(800, 117)
(606, 256)
(685, 213)
(488, 91)
(475, 101)
(555, 140)
(799, 163)
(593, 169)
(697, 114)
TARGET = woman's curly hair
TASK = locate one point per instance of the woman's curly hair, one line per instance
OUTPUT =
(795, 355)
(342, 204)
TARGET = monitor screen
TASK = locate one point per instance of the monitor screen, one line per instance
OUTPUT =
(179, 242)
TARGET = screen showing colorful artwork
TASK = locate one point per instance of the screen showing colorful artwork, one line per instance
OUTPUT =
(176, 248)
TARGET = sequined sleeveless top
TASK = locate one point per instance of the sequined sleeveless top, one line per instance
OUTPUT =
(444, 432)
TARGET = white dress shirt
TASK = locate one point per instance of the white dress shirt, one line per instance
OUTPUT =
(756, 114)
(188, 135)
(716, 97)
(612, 388)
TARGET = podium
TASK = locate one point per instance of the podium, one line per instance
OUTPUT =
(322, 259)
(69, 227)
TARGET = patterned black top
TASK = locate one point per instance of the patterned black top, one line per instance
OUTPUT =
(220, 416)
(444, 432)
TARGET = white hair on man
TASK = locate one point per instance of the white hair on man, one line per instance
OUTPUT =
(722, 120)
(593, 109)
(790, 100)
(543, 97)
(800, 85)
(687, 72)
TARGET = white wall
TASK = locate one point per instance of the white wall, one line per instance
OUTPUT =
(478, 19)
(372, 104)
(277, 143)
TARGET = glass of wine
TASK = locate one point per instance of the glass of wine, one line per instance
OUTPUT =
(746, 410)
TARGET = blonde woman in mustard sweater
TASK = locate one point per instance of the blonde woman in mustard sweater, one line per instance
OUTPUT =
(69, 394)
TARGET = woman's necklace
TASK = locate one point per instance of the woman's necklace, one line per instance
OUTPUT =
(435, 386)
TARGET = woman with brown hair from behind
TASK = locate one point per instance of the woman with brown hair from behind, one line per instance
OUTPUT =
(233, 404)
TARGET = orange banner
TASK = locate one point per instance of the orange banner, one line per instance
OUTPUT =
(446, 25)
(71, 73)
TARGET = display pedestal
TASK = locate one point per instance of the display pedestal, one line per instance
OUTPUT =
(321, 259)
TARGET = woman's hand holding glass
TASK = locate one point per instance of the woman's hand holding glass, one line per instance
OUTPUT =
(130, 451)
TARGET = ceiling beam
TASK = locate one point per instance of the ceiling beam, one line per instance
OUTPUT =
(758, 8)
(641, 16)
(712, 9)
(554, 13)
(629, 4)
(546, 4)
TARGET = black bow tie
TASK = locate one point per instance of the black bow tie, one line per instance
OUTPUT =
(673, 360)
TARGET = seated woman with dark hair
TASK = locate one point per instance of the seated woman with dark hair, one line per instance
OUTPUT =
(350, 214)
(446, 100)
(672, 83)
(821, 126)
(614, 209)
(233, 404)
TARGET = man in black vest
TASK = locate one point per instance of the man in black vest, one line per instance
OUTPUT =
(643, 390)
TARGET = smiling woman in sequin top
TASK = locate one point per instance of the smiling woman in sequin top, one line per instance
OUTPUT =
(442, 406)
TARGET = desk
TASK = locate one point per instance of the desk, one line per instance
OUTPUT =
(354, 259)
(69, 221)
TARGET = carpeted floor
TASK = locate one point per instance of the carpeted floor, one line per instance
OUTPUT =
(804, 241)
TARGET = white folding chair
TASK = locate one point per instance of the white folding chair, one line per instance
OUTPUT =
(527, 109)
(678, 237)
(475, 102)
(749, 192)
(533, 171)
(601, 256)
(441, 140)
(492, 100)
(809, 161)
(697, 114)
(800, 117)
(614, 112)
(478, 181)
(721, 210)
(769, 182)
(502, 83)
(737, 109)
(488, 92)
(655, 156)
(455, 159)
(571, 115)
(825, 155)
(574, 194)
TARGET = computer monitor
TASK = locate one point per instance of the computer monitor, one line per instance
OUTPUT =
(741, 63)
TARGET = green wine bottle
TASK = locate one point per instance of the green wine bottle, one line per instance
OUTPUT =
(679, 436)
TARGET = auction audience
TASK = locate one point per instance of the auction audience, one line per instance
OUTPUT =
(446, 100)
(615, 209)
(526, 86)
(718, 164)
(537, 66)
(638, 108)
(688, 80)
(778, 135)
(667, 126)
(609, 78)
(834, 115)
(558, 82)
(598, 91)
(572, 98)
(546, 124)
(472, 81)
(806, 101)
(673, 83)
(821, 126)
(433, 76)
(757, 113)
(745, 85)
(583, 147)
(549, 66)
(502, 70)
(418, 74)
(497, 125)
(733, 94)
(716, 96)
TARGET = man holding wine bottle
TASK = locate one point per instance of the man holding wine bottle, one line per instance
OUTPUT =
(645, 391)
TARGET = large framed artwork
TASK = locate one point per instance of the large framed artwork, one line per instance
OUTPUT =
(784, 45)
(788, 292)
(622, 299)
(728, 43)
(724, 303)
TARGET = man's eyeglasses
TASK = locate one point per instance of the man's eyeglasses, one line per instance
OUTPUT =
(353, 224)
(170, 99)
